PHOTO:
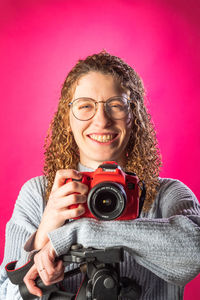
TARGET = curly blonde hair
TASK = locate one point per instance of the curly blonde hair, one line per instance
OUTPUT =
(143, 156)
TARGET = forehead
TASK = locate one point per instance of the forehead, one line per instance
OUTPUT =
(98, 85)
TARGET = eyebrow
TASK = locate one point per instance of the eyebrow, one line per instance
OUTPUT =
(87, 97)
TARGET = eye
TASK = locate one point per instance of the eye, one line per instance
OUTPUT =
(116, 105)
(84, 104)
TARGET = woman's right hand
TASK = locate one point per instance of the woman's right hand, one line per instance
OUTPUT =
(57, 210)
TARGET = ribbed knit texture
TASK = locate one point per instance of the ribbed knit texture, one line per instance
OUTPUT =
(162, 247)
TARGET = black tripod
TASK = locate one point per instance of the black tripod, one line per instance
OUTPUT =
(102, 279)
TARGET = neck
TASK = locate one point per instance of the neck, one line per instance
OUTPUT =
(88, 167)
(82, 168)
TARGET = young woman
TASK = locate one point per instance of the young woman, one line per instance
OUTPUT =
(101, 117)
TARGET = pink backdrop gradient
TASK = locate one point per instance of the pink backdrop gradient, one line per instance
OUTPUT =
(42, 40)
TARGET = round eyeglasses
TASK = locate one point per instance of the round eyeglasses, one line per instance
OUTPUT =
(85, 108)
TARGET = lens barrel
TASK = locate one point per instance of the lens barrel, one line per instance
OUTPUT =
(107, 200)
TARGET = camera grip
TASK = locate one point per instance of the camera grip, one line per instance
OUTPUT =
(39, 283)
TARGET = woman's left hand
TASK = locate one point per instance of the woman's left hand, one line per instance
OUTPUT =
(45, 266)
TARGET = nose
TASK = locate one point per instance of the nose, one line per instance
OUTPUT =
(101, 117)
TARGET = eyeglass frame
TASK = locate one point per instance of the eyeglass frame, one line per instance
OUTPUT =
(129, 102)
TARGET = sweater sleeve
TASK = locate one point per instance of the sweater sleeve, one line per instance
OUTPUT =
(21, 227)
(167, 242)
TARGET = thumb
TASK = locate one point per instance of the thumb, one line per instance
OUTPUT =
(29, 280)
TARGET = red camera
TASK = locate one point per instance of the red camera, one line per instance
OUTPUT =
(113, 194)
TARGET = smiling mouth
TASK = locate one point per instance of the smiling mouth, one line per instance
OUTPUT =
(103, 138)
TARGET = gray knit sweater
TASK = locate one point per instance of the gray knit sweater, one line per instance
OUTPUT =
(162, 247)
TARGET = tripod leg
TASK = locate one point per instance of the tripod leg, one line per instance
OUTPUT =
(81, 295)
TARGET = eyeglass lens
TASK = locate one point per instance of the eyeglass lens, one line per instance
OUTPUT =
(85, 108)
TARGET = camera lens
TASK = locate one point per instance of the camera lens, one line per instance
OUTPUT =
(107, 200)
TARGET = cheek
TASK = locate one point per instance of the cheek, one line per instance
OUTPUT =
(127, 130)
(127, 136)
(77, 128)
(128, 125)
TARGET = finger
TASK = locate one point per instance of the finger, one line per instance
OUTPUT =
(58, 273)
(73, 213)
(45, 263)
(70, 188)
(72, 199)
(45, 269)
(55, 280)
(51, 271)
(46, 260)
(62, 175)
(29, 280)
(58, 266)
(51, 281)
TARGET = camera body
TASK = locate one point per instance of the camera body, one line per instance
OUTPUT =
(113, 194)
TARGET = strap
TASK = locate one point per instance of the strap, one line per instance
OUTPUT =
(16, 275)
(142, 197)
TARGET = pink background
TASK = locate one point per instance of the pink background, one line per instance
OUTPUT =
(42, 40)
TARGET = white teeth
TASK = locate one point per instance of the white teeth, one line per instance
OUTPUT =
(102, 138)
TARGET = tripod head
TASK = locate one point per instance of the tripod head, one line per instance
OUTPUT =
(101, 271)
